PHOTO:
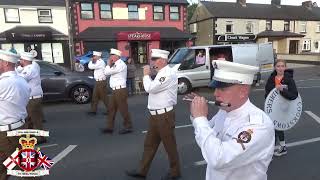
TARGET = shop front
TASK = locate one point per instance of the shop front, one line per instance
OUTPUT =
(45, 43)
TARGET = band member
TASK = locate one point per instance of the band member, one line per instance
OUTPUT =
(100, 91)
(30, 71)
(238, 142)
(161, 101)
(14, 97)
(119, 97)
(282, 79)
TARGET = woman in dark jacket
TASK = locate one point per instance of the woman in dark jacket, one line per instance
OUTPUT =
(282, 79)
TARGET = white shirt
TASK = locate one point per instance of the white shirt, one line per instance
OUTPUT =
(14, 97)
(162, 90)
(226, 157)
(98, 68)
(118, 74)
(31, 73)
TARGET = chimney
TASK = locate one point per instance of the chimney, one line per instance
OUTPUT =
(307, 4)
(242, 3)
(276, 3)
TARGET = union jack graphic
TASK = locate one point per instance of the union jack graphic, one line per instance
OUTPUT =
(28, 160)
(44, 161)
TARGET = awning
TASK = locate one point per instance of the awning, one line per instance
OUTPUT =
(32, 33)
(132, 33)
(282, 34)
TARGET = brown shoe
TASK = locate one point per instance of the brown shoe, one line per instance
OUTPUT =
(135, 174)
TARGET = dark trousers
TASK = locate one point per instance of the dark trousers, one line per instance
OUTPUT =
(119, 100)
(100, 92)
(279, 135)
(130, 85)
(161, 129)
(35, 114)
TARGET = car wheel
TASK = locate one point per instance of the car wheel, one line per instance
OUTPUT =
(184, 86)
(81, 94)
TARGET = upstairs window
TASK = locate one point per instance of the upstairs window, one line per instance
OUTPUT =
(133, 12)
(44, 16)
(287, 25)
(105, 11)
(318, 27)
(174, 13)
(229, 27)
(158, 12)
(303, 27)
(86, 11)
(249, 27)
(12, 15)
(268, 25)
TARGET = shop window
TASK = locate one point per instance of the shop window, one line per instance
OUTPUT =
(133, 12)
(269, 25)
(229, 27)
(158, 12)
(44, 16)
(12, 15)
(249, 27)
(287, 25)
(303, 27)
(105, 11)
(306, 46)
(174, 13)
(86, 11)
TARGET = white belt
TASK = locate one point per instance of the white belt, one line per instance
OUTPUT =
(35, 97)
(118, 87)
(160, 111)
(12, 126)
(100, 79)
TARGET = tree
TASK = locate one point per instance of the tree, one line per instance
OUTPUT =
(191, 9)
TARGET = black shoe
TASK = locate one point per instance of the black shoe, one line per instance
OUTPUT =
(125, 131)
(107, 131)
(92, 113)
(170, 177)
(135, 174)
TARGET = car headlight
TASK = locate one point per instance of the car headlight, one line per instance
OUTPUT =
(91, 77)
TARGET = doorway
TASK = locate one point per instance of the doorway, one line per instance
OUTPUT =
(138, 52)
(293, 46)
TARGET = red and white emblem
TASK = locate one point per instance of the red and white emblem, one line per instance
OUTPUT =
(28, 160)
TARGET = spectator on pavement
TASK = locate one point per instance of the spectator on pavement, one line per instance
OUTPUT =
(131, 68)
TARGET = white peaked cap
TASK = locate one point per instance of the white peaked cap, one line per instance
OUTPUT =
(97, 53)
(115, 52)
(26, 56)
(235, 73)
(9, 56)
(159, 53)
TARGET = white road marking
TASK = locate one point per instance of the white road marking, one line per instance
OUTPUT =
(298, 143)
(315, 117)
(63, 154)
(307, 80)
(177, 127)
(49, 145)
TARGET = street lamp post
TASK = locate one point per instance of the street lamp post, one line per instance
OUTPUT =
(70, 31)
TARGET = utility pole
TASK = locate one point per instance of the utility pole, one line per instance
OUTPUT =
(70, 30)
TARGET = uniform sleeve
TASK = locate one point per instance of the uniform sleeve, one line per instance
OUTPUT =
(236, 152)
(97, 65)
(27, 74)
(158, 84)
(114, 69)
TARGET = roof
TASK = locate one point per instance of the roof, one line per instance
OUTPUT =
(257, 11)
(34, 2)
(110, 33)
(141, 1)
(278, 34)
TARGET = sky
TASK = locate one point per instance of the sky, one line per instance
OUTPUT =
(284, 2)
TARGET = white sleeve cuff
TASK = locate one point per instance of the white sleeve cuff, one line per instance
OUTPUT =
(200, 122)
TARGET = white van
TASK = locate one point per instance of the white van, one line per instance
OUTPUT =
(194, 68)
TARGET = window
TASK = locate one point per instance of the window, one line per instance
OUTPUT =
(12, 15)
(158, 12)
(44, 16)
(287, 25)
(133, 11)
(174, 13)
(229, 27)
(105, 11)
(306, 45)
(86, 11)
(318, 27)
(249, 27)
(303, 27)
(269, 25)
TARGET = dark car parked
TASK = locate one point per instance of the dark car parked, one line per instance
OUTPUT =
(59, 83)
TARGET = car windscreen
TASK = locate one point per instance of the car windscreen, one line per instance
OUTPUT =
(180, 55)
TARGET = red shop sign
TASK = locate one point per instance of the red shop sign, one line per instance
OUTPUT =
(138, 36)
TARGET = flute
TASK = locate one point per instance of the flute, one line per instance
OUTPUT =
(217, 103)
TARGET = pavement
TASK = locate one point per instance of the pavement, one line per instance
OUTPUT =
(82, 152)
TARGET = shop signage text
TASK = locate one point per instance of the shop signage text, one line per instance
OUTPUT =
(138, 36)
(235, 37)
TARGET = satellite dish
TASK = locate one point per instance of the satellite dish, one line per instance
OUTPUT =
(284, 113)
